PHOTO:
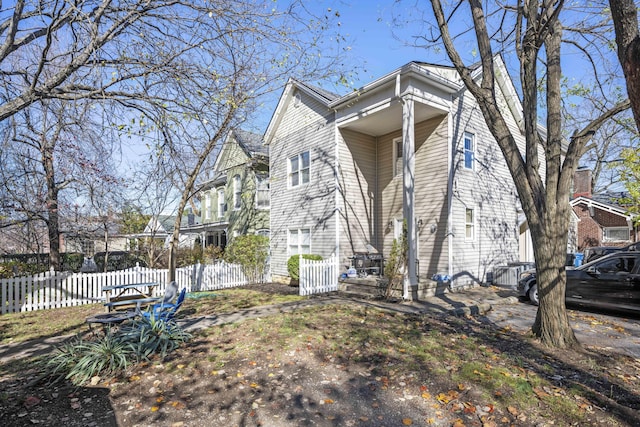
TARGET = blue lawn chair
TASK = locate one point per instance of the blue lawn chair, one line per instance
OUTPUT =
(164, 310)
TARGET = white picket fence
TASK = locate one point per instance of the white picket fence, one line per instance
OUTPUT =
(318, 276)
(61, 289)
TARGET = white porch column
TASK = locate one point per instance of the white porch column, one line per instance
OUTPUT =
(408, 196)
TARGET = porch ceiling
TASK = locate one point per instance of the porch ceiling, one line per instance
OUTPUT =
(385, 120)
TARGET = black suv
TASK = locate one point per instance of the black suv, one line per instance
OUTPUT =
(611, 282)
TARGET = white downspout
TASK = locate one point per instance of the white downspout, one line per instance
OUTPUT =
(450, 192)
(338, 198)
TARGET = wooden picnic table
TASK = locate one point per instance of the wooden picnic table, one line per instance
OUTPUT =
(131, 295)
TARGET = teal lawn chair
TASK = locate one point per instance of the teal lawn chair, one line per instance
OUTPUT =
(164, 310)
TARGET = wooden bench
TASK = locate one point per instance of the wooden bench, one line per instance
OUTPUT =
(120, 296)
(130, 301)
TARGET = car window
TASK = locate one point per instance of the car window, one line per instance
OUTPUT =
(616, 265)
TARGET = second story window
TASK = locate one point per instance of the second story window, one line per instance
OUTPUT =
(221, 204)
(207, 205)
(237, 192)
(299, 169)
(262, 191)
(469, 150)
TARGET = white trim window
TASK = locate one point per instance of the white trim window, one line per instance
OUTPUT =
(397, 156)
(299, 169)
(237, 192)
(469, 150)
(299, 241)
(222, 207)
(469, 224)
(207, 205)
(262, 191)
(616, 234)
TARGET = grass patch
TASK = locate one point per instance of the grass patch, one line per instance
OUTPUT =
(20, 327)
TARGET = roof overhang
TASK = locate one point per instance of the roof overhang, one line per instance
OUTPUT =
(602, 206)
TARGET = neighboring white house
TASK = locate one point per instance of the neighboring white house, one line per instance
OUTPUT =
(347, 171)
(161, 227)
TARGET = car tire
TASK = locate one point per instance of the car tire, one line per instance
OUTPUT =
(533, 294)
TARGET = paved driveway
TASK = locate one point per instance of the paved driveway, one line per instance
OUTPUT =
(593, 329)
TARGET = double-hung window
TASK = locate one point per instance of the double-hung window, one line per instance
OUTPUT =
(207, 205)
(237, 192)
(397, 157)
(262, 191)
(299, 241)
(469, 150)
(221, 205)
(469, 224)
(299, 169)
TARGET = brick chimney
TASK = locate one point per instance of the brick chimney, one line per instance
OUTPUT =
(582, 183)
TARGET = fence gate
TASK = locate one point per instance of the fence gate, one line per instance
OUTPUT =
(317, 277)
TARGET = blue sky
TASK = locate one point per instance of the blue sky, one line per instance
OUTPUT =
(368, 25)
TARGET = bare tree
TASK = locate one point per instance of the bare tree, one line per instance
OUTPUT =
(537, 30)
(52, 150)
(174, 74)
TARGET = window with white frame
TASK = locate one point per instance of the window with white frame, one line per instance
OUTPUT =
(237, 192)
(616, 234)
(397, 156)
(263, 232)
(299, 241)
(469, 150)
(469, 224)
(299, 169)
(221, 205)
(262, 191)
(207, 205)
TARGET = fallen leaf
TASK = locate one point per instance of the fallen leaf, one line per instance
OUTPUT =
(407, 421)
(154, 408)
(31, 401)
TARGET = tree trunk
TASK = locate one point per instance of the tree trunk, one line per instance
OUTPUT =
(625, 20)
(552, 323)
(53, 220)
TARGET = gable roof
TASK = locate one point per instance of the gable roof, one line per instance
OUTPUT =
(325, 97)
(600, 203)
(250, 143)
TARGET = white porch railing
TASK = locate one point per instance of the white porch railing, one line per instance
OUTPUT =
(61, 289)
(318, 276)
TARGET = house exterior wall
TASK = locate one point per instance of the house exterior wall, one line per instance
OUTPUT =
(357, 178)
(489, 191)
(590, 228)
(306, 125)
(430, 193)
(247, 218)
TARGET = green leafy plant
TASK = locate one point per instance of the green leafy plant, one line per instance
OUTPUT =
(293, 264)
(150, 336)
(251, 251)
(82, 360)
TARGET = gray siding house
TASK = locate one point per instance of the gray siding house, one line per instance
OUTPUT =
(411, 146)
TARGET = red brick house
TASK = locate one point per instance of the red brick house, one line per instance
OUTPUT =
(601, 222)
